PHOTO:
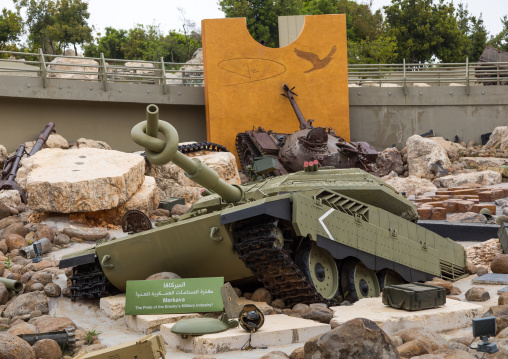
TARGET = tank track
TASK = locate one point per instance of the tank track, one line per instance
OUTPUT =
(87, 281)
(259, 248)
(202, 146)
(244, 138)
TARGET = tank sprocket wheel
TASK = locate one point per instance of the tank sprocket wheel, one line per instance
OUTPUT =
(358, 281)
(320, 268)
(135, 221)
(388, 277)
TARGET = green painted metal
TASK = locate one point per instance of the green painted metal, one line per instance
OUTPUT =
(343, 209)
(414, 296)
(11, 284)
(202, 326)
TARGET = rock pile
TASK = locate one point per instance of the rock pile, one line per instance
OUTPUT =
(484, 253)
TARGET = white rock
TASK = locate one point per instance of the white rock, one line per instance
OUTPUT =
(86, 143)
(478, 162)
(486, 178)
(114, 306)
(453, 150)
(59, 64)
(453, 315)
(80, 180)
(10, 198)
(57, 141)
(140, 64)
(498, 139)
(422, 152)
(3, 154)
(172, 182)
(411, 185)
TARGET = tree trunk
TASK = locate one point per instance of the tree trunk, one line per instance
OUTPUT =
(75, 50)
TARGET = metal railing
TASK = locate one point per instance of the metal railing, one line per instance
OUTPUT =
(108, 71)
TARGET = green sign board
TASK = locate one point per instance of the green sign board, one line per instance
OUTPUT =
(174, 296)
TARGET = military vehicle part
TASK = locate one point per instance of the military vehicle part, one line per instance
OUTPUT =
(135, 221)
(38, 251)
(485, 138)
(428, 134)
(486, 212)
(466, 232)
(414, 296)
(65, 337)
(11, 284)
(251, 319)
(169, 203)
(202, 146)
(230, 301)
(29, 251)
(308, 144)
(262, 229)
(12, 164)
(202, 326)
(149, 347)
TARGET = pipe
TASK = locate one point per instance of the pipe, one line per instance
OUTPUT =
(29, 250)
(11, 284)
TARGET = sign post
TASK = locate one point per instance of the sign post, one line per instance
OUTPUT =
(189, 295)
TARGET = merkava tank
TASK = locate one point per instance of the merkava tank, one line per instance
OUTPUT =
(308, 144)
(317, 235)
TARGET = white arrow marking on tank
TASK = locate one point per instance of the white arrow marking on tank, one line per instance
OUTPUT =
(321, 221)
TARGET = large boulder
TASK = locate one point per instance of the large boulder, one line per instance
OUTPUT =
(46, 323)
(61, 64)
(501, 314)
(15, 228)
(498, 139)
(80, 180)
(432, 340)
(500, 264)
(5, 211)
(172, 182)
(3, 155)
(27, 303)
(13, 347)
(423, 152)
(453, 150)
(477, 294)
(411, 185)
(357, 338)
(468, 217)
(486, 178)
(480, 162)
(47, 349)
(86, 143)
(56, 141)
(389, 160)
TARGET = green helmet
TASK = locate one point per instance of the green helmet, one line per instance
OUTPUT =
(251, 318)
(486, 212)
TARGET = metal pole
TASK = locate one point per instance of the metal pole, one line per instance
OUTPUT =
(163, 76)
(44, 71)
(104, 73)
(405, 84)
(467, 75)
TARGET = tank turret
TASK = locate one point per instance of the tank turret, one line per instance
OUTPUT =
(160, 152)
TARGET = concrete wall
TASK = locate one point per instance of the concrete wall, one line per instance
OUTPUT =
(290, 28)
(384, 116)
(83, 109)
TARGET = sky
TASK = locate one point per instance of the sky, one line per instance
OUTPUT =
(125, 14)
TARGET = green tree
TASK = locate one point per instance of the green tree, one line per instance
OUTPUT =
(425, 30)
(382, 50)
(500, 41)
(262, 16)
(11, 26)
(70, 23)
(110, 44)
(40, 14)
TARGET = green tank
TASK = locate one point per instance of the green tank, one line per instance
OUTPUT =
(318, 235)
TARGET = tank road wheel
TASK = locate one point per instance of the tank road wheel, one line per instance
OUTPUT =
(358, 281)
(388, 277)
(320, 268)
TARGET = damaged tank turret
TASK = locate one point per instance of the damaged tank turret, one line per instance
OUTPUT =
(317, 235)
(308, 144)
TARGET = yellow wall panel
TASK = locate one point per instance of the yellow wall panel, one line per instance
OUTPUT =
(243, 79)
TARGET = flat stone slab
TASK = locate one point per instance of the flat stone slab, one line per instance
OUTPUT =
(453, 315)
(279, 329)
(492, 278)
(502, 290)
(147, 324)
(80, 180)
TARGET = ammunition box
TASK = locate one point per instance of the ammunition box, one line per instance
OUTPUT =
(414, 296)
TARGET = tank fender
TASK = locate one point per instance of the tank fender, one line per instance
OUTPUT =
(280, 208)
(340, 251)
(78, 258)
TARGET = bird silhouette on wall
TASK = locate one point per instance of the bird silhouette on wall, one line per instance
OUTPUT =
(314, 59)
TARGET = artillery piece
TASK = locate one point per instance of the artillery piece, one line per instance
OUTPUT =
(308, 144)
(319, 235)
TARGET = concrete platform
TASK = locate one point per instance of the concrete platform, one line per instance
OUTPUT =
(147, 324)
(454, 315)
(278, 330)
(492, 278)
(502, 290)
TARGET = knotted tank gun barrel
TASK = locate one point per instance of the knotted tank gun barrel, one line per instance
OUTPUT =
(160, 152)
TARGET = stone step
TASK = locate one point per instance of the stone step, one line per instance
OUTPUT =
(147, 324)
(453, 315)
(492, 278)
(114, 306)
(278, 329)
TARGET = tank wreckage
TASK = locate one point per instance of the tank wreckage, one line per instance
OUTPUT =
(308, 144)
(318, 235)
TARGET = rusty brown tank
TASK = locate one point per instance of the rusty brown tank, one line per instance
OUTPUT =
(308, 144)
